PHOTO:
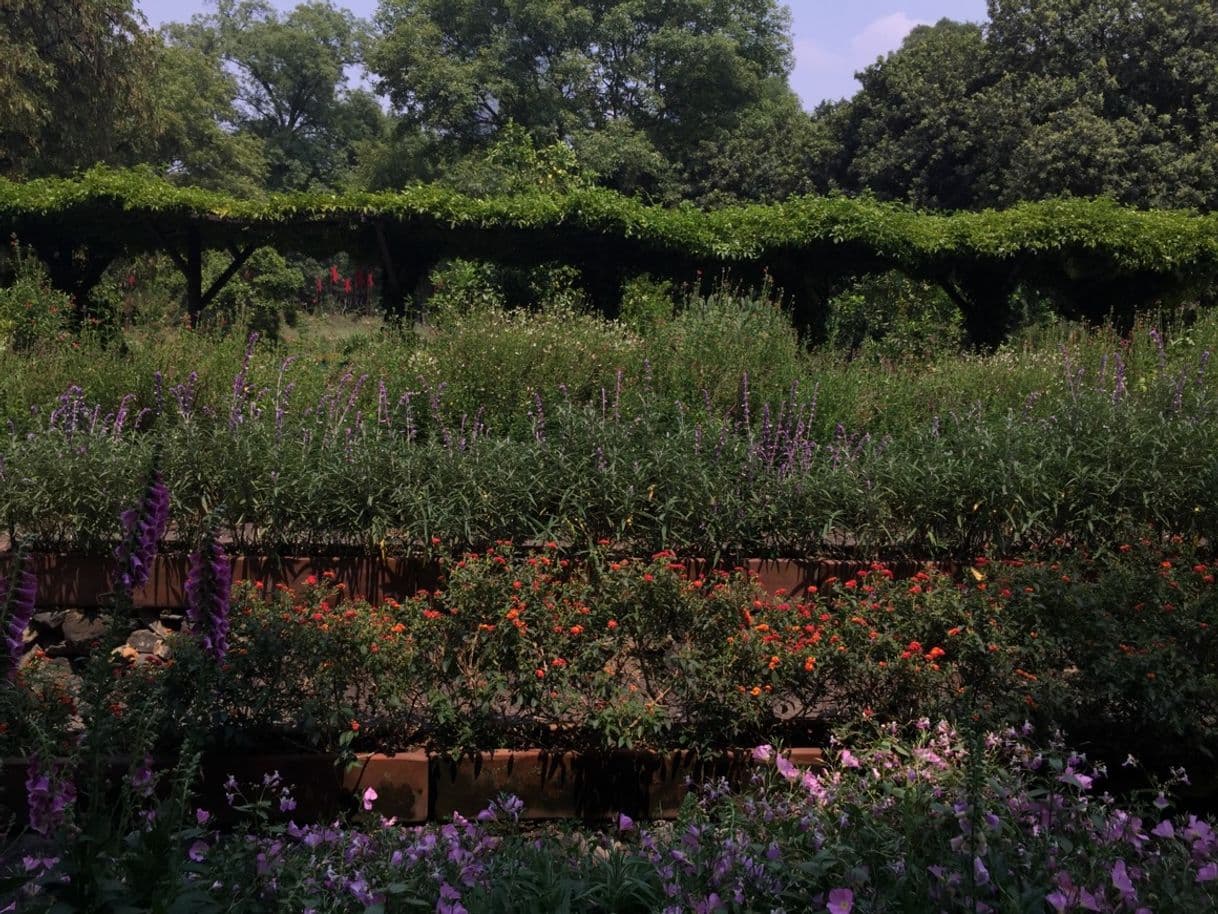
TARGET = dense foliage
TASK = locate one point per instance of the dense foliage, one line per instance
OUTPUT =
(714, 435)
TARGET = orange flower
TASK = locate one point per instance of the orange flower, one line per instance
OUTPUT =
(935, 653)
(355, 726)
(755, 691)
(611, 624)
(809, 664)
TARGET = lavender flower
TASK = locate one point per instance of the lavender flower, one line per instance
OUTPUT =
(241, 389)
(143, 528)
(18, 592)
(208, 586)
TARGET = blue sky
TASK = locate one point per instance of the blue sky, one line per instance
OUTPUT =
(833, 38)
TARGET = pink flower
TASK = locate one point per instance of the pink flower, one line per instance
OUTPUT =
(841, 901)
(848, 760)
(785, 768)
(369, 799)
(763, 753)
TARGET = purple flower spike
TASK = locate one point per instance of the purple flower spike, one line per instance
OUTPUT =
(18, 594)
(143, 528)
(49, 793)
(208, 587)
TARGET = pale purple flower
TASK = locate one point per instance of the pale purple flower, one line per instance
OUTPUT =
(143, 781)
(35, 864)
(980, 873)
(1074, 778)
(1164, 829)
(624, 823)
(198, 851)
(1121, 881)
(1208, 873)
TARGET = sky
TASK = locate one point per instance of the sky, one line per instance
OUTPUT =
(833, 38)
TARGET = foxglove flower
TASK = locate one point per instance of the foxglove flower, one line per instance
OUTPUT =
(208, 586)
(17, 591)
(143, 528)
(49, 793)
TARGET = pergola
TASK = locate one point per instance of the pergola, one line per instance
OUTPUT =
(1094, 258)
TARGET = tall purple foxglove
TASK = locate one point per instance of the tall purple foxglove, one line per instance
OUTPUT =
(143, 528)
(18, 592)
(208, 586)
(49, 793)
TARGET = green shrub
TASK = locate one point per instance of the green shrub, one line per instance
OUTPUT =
(647, 303)
(719, 344)
(31, 311)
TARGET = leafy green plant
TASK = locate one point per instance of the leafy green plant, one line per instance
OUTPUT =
(32, 313)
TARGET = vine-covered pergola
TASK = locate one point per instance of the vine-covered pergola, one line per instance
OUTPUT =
(1094, 258)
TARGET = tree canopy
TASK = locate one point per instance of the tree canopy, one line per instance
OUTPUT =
(1050, 97)
(662, 78)
(291, 85)
(73, 85)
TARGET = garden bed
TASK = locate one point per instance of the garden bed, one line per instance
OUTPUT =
(86, 581)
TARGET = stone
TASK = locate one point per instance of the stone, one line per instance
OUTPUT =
(162, 651)
(159, 629)
(29, 636)
(127, 652)
(143, 641)
(82, 628)
(49, 619)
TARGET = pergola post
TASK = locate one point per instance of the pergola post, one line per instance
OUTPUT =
(194, 274)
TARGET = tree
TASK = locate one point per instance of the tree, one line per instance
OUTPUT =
(911, 130)
(1051, 97)
(198, 137)
(74, 85)
(292, 86)
(663, 77)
